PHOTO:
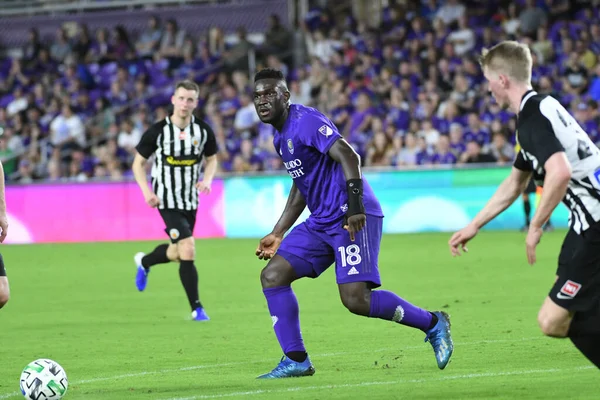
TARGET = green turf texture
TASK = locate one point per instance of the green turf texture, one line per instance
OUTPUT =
(77, 304)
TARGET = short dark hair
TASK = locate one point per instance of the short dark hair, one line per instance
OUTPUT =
(188, 85)
(269, 73)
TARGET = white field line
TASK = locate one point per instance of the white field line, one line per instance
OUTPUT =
(315, 356)
(381, 383)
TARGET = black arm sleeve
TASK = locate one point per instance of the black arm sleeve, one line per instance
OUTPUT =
(147, 144)
(210, 148)
(521, 164)
(544, 142)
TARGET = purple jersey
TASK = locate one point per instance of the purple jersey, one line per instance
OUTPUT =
(303, 145)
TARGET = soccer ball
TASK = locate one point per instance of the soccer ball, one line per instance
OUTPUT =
(44, 379)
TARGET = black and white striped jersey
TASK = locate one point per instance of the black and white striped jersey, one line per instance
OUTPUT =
(545, 127)
(178, 159)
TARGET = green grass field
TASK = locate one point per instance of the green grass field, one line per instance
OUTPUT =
(77, 304)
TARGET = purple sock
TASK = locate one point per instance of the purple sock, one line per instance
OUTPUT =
(283, 307)
(387, 305)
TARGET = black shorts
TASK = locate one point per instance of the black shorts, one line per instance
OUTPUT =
(179, 223)
(531, 187)
(578, 285)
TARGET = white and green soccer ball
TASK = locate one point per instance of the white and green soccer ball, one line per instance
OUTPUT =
(44, 379)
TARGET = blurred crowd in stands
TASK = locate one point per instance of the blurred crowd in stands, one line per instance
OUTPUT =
(406, 92)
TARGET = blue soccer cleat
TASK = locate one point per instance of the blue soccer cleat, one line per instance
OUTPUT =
(141, 277)
(290, 369)
(200, 315)
(440, 339)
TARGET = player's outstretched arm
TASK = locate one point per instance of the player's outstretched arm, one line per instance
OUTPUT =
(293, 208)
(139, 172)
(3, 217)
(505, 195)
(343, 153)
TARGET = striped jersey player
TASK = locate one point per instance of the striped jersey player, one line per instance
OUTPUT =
(180, 145)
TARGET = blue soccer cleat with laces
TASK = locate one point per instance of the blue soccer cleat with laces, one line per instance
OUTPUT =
(200, 315)
(440, 339)
(288, 368)
(141, 277)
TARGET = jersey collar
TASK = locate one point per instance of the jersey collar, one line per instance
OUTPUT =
(169, 122)
(526, 96)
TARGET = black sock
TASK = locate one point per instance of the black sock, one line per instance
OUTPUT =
(158, 256)
(527, 207)
(189, 280)
(434, 320)
(584, 332)
(298, 356)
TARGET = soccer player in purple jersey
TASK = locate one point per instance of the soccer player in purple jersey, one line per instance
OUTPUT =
(344, 228)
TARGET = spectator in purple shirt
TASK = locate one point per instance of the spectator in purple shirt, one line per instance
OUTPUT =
(476, 131)
(443, 155)
(424, 155)
(457, 143)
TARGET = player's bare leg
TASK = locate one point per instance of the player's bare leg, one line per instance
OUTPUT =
(554, 320)
(186, 251)
(173, 252)
(583, 328)
(359, 299)
(162, 254)
(4, 291)
(278, 272)
(276, 279)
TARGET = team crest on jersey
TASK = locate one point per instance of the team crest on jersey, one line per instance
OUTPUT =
(290, 146)
(325, 131)
(174, 233)
(195, 142)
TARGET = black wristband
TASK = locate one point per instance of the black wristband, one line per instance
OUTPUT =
(355, 197)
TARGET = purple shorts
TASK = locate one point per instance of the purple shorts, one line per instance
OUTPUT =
(311, 251)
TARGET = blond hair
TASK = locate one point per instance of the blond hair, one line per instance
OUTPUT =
(509, 58)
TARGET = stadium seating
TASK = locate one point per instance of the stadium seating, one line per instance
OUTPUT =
(405, 93)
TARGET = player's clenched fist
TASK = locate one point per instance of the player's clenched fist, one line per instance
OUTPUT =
(204, 187)
(268, 246)
(354, 224)
(152, 200)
